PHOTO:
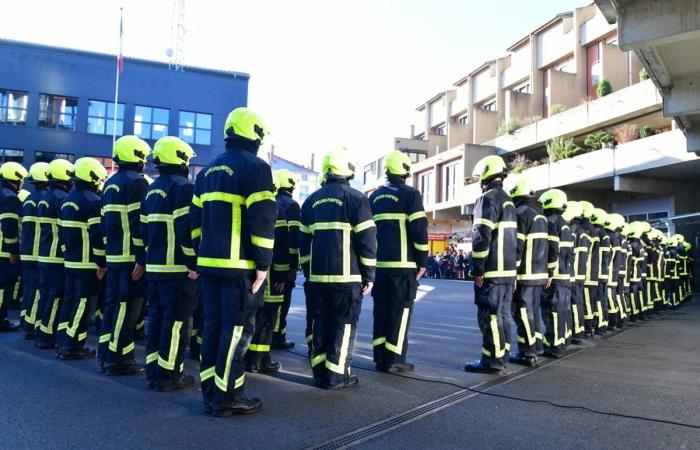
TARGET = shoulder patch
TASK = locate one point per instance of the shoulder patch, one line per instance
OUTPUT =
(337, 201)
(221, 168)
(43, 203)
(160, 192)
(112, 186)
(70, 205)
(386, 196)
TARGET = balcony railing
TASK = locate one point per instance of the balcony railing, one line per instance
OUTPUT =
(628, 102)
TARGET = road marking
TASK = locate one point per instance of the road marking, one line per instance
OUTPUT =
(385, 426)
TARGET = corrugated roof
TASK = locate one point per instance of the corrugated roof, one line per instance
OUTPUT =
(114, 56)
(280, 163)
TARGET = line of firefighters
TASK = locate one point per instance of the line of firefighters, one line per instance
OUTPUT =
(225, 251)
(583, 271)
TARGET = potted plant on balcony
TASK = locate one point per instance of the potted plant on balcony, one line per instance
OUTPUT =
(509, 126)
(520, 163)
(563, 148)
(604, 87)
(645, 131)
(627, 132)
(643, 74)
(598, 140)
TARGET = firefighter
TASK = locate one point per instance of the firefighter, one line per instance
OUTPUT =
(637, 268)
(531, 261)
(402, 254)
(688, 271)
(337, 250)
(51, 272)
(11, 175)
(682, 270)
(573, 214)
(29, 246)
(655, 285)
(613, 224)
(125, 286)
(555, 299)
(84, 257)
(233, 218)
(624, 283)
(286, 182)
(170, 264)
(258, 358)
(590, 285)
(494, 248)
(678, 241)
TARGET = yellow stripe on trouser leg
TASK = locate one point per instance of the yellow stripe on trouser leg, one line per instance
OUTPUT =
(589, 308)
(578, 328)
(496, 338)
(601, 321)
(31, 319)
(205, 374)
(340, 367)
(48, 329)
(114, 343)
(557, 339)
(531, 339)
(222, 382)
(398, 348)
(169, 364)
(151, 358)
(73, 329)
(620, 306)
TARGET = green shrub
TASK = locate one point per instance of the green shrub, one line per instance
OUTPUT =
(596, 140)
(563, 148)
(604, 87)
(643, 74)
(520, 163)
(556, 109)
(509, 126)
(645, 131)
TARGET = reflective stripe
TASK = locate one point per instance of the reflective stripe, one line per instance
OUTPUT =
(486, 222)
(396, 265)
(187, 251)
(258, 197)
(169, 364)
(507, 224)
(553, 238)
(151, 358)
(421, 247)
(196, 201)
(389, 216)
(531, 339)
(482, 254)
(120, 258)
(166, 268)
(500, 273)
(8, 215)
(416, 215)
(398, 348)
(259, 347)
(532, 276)
(318, 359)
(104, 338)
(113, 345)
(98, 252)
(293, 251)
(304, 229)
(330, 226)
(304, 259)
(137, 242)
(197, 232)
(280, 223)
(281, 267)
(340, 367)
(207, 373)
(223, 263)
(378, 341)
(79, 265)
(335, 278)
(185, 210)
(128, 348)
(222, 382)
(294, 223)
(363, 226)
(262, 242)
(368, 262)
(94, 221)
(496, 337)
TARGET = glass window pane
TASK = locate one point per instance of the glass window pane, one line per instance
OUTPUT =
(96, 125)
(204, 121)
(187, 119)
(120, 110)
(142, 114)
(203, 137)
(159, 131)
(160, 116)
(142, 130)
(187, 135)
(96, 108)
(110, 126)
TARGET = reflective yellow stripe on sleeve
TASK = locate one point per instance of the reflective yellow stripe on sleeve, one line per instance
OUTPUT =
(368, 262)
(262, 242)
(197, 232)
(258, 197)
(416, 215)
(485, 222)
(483, 254)
(363, 226)
(421, 247)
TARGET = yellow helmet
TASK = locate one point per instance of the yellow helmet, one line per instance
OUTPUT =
(488, 167)
(60, 169)
(398, 163)
(614, 221)
(687, 246)
(13, 171)
(285, 179)
(131, 149)
(172, 150)
(90, 171)
(587, 208)
(646, 227)
(23, 194)
(553, 199)
(665, 240)
(637, 230)
(572, 210)
(246, 124)
(521, 187)
(626, 229)
(678, 238)
(39, 171)
(336, 162)
(599, 217)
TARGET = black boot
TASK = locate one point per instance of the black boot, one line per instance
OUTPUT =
(124, 369)
(265, 365)
(240, 406)
(8, 326)
(72, 354)
(523, 360)
(185, 382)
(478, 366)
(349, 381)
(396, 368)
(279, 342)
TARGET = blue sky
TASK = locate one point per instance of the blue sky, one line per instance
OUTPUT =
(325, 73)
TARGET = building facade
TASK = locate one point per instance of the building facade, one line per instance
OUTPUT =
(566, 107)
(308, 178)
(58, 102)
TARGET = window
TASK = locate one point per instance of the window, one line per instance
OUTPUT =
(101, 118)
(107, 162)
(303, 192)
(195, 128)
(9, 154)
(40, 156)
(304, 177)
(426, 187)
(150, 123)
(194, 170)
(58, 112)
(370, 172)
(463, 119)
(523, 88)
(450, 172)
(13, 107)
(490, 106)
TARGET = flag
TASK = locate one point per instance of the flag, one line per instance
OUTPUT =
(120, 57)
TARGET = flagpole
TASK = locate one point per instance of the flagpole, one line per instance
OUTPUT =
(116, 84)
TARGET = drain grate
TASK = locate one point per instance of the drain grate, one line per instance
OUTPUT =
(621, 345)
(382, 427)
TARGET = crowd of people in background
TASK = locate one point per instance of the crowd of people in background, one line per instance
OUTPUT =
(452, 264)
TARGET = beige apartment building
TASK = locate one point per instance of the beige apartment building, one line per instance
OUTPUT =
(542, 97)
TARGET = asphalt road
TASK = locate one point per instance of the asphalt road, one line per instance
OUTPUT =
(651, 371)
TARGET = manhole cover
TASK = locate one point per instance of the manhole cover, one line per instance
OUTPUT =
(621, 345)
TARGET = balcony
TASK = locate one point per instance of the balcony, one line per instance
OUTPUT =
(626, 103)
(653, 152)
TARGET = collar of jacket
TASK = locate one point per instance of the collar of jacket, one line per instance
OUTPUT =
(552, 212)
(173, 170)
(14, 187)
(333, 179)
(284, 191)
(85, 186)
(60, 185)
(395, 179)
(136, 167)
(497, 183)
(528, 200)
(243, 145)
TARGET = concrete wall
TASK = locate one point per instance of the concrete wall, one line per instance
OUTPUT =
(459, 133)
(563, 90)
(519, 105)
(49, 70)
(485, 124)
(615, 66)
(436, 144)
